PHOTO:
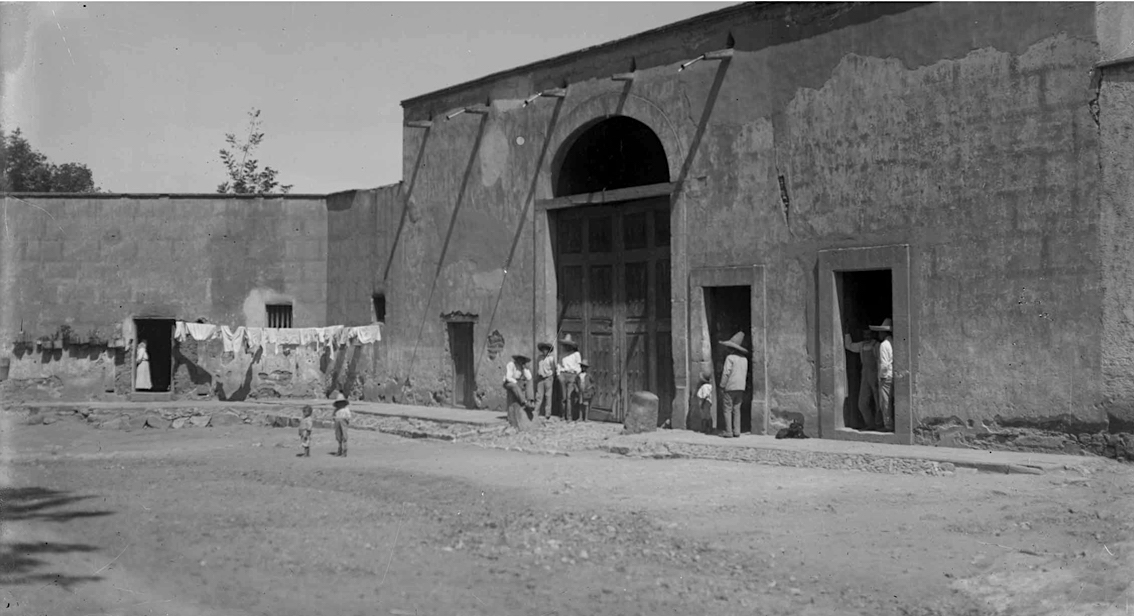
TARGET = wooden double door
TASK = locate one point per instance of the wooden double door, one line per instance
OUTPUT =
(613, 272)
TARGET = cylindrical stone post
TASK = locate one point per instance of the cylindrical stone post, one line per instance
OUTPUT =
(641, 413)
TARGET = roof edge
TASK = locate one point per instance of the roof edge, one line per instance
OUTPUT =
(715, 15)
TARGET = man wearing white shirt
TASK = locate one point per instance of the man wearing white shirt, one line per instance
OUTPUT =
(885, 373)
(516, 377)
(569, 368)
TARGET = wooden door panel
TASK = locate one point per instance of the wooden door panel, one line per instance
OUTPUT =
(636, 288)
(600, 349)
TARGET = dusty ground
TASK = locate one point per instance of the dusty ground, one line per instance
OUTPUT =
(229, 521)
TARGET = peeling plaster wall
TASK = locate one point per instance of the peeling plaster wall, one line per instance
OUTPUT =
(94, 262)
(961, 129)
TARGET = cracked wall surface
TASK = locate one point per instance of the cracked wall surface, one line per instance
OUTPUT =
(964, 130)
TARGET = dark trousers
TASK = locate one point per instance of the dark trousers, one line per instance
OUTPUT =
(732, 401)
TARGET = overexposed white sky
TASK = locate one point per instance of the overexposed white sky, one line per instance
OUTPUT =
(143, 92)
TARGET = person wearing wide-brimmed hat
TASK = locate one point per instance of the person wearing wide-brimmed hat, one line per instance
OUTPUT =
(868, 398)
(516, 377)
(342, 421)
(544, 379)
(885, 373)
(734, 380)
(568, 371)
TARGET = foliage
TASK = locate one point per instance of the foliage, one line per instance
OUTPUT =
(244, 173)
(27, 170)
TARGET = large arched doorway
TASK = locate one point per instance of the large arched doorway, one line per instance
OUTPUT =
(612, 263)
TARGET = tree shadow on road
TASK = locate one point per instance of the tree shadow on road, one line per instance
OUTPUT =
(25, 563)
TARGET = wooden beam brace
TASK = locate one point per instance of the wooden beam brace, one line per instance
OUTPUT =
(607, 196)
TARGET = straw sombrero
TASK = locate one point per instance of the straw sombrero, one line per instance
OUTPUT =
(736, 342)
(340, 399)
(544, 346)
(585, 363)
(522, 358)
(569, 341)
(886, 326)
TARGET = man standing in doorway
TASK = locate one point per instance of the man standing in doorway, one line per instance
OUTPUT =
(545, 379)
(885, 373)
(734, 380)
(568, 370)
(868, 396)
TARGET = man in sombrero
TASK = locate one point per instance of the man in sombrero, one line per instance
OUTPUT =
(516, 377)
(569, 368)
(734, 380)
(885, 372)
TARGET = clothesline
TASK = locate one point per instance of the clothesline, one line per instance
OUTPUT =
(253, 338)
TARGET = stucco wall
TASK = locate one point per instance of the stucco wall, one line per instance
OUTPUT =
(963, 130)
(93, 263)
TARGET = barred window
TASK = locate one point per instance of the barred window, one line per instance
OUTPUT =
(279, 315)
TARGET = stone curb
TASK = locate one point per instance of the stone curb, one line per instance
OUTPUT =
(827, 460)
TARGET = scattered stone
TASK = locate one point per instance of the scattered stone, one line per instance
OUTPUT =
(50, 419)
(948, 466)
(154, 420)
(179, 423)
(199, 421)
(118, 423)
(225, 418)
(34, 419)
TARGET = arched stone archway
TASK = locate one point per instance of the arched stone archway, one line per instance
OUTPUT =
(610, 263)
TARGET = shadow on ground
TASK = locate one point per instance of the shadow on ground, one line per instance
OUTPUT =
(25, 563)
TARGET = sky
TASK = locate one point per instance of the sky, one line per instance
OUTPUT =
(144, 92)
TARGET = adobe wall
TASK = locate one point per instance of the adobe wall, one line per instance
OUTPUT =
(961, 129)
(92, 263)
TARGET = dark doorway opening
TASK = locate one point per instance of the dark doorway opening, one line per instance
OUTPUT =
(158, 336)
(865, 298)
(461, 350)
(729, 310)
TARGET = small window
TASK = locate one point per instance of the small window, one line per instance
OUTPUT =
(279, 316)
(379, 307)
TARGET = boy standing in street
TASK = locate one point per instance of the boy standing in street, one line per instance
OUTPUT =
(545, 380)
(342, 422)
(734, 380)
(586, 390)
(705, 418)
(305, 426)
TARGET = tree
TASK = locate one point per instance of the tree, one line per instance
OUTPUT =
(26, 170)
(244, 173)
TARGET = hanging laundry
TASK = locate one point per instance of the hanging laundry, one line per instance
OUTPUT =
(255, 338)
(368, 333)
(331, 334)
(232, 339)
(271, 335)
(289, 336)
(201, 331)
(308, 335)
(342, 337)
(179, 331)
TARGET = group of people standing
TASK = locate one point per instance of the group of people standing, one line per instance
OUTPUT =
(876, 393)
(576, 389)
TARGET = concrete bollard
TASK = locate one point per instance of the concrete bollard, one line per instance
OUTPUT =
(641, 413)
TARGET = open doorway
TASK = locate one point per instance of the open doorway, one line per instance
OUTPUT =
(461, 350)
(729, 310)
(865, 298)
(158, 336)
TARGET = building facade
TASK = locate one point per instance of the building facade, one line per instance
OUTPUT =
(795, 172)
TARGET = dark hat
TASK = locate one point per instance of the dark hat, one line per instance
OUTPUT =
(340, 399)
(545, 346)
(522, 358)
(569, 341)
(736, 342)
(886, 326)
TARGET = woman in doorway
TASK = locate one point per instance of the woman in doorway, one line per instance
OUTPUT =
(142, 373)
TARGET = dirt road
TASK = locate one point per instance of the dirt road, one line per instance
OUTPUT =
(228, 521)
